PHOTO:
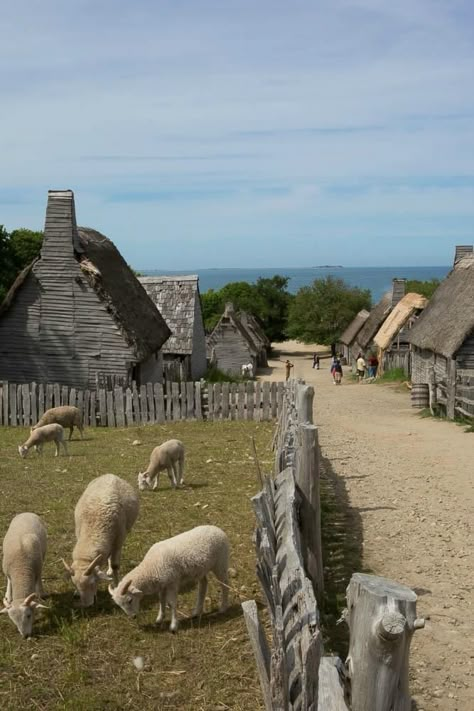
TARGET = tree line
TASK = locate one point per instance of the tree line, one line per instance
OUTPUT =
(17, 249)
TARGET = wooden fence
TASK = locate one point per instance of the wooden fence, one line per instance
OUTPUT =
(23, 404)
(462, 393)
(294, 673)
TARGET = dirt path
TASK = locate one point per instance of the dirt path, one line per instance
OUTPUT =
(410, 480)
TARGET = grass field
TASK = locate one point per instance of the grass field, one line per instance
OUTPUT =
(83, 659)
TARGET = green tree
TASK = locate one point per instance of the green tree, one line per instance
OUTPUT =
(425, 288)
(319, 313)
(6, 262)
(17, 250)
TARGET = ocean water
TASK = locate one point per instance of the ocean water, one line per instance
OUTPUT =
(377, 279)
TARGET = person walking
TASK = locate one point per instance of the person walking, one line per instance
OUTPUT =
(373, 363)
(288, 366)
(338, 372)
(361, 366)
(333, 369)
(316, 361)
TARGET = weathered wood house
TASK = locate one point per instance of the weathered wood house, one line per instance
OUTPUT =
(393, 347)
(230, 345)
(178, 300)
(347, 339)
(78, 314)
(258, 336)
(442, 339)
(364, 340)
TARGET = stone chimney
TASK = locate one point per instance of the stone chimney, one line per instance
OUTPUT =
(398, 290)
(462, 250)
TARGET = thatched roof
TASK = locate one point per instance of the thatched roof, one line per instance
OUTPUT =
(113, 280)
(256, 332)
(354, 327)
(449, 317)
(376, 318)
(397, 319)
(175, 298)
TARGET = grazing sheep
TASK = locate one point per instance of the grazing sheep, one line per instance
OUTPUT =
(104, 515)
(24, 550)
(172, 565)
(169, 456)
(47, 433)
(66, 415)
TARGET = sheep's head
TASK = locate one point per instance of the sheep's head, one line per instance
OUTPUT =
(128, 597)
(23, 615)
(86, 580)
(144, 481)
(23, 450)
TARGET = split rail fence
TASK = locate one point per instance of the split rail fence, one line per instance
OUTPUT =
(119, 406)
(293, 671)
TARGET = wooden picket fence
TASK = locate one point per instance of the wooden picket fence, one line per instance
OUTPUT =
(23, 404)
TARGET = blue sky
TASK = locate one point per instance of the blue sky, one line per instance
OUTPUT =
(199, 133)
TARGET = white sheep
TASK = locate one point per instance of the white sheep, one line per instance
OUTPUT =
(66, 415)
(172, 565)
(46, 433)
(103, 516)
(169, 456)
(24, 550)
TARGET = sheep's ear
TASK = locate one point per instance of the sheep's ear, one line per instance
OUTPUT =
(38, 606)
(4, 610)
(30, 600)
(68, 567)
(92, 566)
(111, 590)
(100, 575)
(135, 591)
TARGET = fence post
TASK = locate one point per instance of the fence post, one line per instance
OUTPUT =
(451, 389)
(260, 649)
(304, 402)
(382, 619)
(307, 480)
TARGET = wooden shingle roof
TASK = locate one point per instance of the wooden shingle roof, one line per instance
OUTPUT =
(175, 297)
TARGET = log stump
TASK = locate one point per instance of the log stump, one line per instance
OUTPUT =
(382, 618)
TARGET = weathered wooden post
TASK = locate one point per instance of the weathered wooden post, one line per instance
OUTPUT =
(304, 402)
(432, 390)
(382, 619)
(260, 649)
(451, 389)
(307, 481)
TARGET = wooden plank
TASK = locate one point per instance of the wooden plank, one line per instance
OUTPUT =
(260, 649)
(110, 409)
(159, 402)
(12, 393)
(136, 405)
(198, 400)
(6, 400)
(25, 392)
(274, 401)
(225, 400)
(102, 407)
(56, 395)
(92, 408)
(1, 404)
(80, 400)
(169, 401)
(280, 392)
(210, 401)
(257, 415)
(151, 403)
(304, 402)
(331, 689)
(85, 405)
(19, 405)
(182, 398)
(119, 407)
(232, 400)
(175, 397)
(190, 414)
(73, 397)
(241, 402)
(41, 401)
(65, 396)
(217, 401)
(143, 405)
(250, 399)
(266, 401)
(128, 407)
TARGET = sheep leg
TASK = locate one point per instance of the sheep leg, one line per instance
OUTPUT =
(39, 448)
(181, 471)
(171, 476)
(221, 575)
(81, 430)
(201, 596)
(70, 432)
(65, 448)
(9, 593)
(172, 595)
(56, 444)
(114, 563)
(162, 608)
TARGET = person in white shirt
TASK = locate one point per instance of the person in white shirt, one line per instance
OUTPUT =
(361, 366)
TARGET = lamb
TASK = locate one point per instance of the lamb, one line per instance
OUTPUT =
(170, 456)
(24, 550)
(172, 565)
(103, 516)
(66, 415)
(46, 433)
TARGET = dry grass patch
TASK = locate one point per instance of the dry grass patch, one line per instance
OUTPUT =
(83, 659)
